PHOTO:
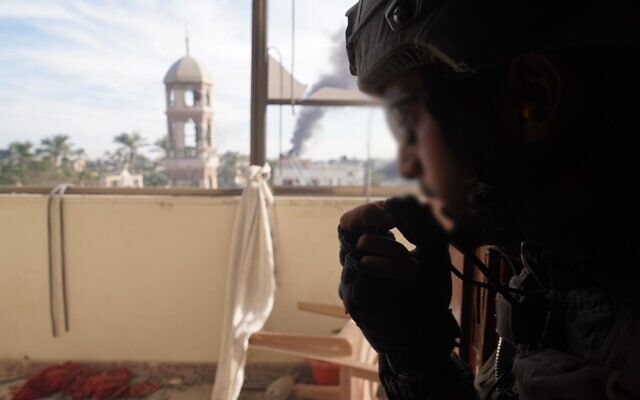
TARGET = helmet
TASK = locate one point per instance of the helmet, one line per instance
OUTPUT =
(387, 37)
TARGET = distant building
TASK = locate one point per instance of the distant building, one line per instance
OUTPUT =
(231, 170)
(340, 172)
(79, 164)
(192, 160)
(124, 179)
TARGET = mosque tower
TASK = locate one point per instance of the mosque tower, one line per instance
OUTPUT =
(192, 159)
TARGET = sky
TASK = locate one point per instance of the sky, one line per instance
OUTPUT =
(93, 69)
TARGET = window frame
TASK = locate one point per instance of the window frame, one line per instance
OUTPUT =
(292, 191)
(257, 152)
(260, 102)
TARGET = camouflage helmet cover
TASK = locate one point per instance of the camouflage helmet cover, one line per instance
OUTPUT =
(387, 37)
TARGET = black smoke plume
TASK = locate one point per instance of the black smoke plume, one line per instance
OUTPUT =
(339, 77)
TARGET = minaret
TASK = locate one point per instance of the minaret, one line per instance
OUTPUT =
(192, 160)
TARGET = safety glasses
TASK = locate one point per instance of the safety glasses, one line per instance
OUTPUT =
(401, 112)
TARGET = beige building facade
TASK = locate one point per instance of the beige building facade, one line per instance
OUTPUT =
(125, 179)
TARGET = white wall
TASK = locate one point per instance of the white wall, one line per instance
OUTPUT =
(147, 275)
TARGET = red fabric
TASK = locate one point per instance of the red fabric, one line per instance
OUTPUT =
(141, 389)
(82, 383)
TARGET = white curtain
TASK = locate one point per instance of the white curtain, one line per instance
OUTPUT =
(251, 284)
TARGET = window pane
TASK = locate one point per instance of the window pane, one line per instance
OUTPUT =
(172, 98)
(332, 147)
(77, 74)
(189, 98)
(321, 146)
(190, 134)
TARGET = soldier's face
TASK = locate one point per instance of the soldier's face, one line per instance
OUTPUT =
(423, 153)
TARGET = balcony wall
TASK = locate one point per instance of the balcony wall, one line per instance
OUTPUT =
(147, 275)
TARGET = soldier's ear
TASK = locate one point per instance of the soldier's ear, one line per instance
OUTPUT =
(536, 83)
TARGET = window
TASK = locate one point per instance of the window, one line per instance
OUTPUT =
(75, 75)
(189, 98)
(331, 135)
(323, 150)
(93, 70)
(190, 134)
(172, 98)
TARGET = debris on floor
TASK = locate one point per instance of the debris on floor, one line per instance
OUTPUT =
(281, 388)
(189, 381)
(78, 382)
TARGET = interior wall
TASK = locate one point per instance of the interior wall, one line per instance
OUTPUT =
(146, 276)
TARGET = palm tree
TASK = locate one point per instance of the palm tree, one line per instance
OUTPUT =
(162, 147)
(17, 167)
(21, 152)
(130, 144)
(56, 148)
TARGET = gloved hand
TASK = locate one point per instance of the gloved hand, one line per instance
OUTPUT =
(399, 299)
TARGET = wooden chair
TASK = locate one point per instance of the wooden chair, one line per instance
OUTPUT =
(348, 349)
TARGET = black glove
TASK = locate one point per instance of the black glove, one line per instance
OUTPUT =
(399, 299)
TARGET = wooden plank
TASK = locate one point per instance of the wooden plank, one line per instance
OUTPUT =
(324, 309)
(345, 383)
(303, 345)
(365, 371)
(480, 338)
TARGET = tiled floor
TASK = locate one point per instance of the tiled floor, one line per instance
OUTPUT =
(192, 392)
(200, 392)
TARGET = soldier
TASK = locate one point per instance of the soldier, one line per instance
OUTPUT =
(518, 120)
